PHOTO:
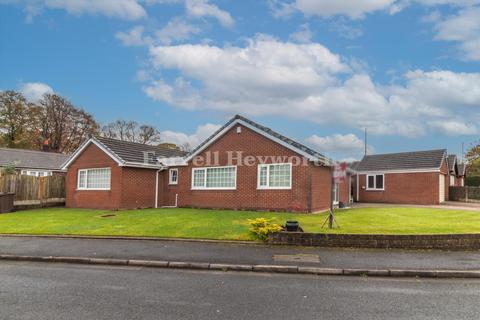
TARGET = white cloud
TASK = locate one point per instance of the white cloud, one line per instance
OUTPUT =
(346, 147)
(308, 81)
(455, 127)
(352, 9)
(193, 140)
(124, 9)
(202, 8)
(336, 142)
(463, 28)
(176, 29)
(302, 35)
(34, 91)
(134, 37)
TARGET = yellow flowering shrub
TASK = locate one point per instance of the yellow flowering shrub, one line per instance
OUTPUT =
(262, 227)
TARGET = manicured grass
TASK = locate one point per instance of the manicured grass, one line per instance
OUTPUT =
(225, 224)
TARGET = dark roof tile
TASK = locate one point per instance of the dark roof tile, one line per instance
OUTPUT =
(32, 159)
(403, 161)
(136, 152)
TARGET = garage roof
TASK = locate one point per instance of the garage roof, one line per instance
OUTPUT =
(417, 160)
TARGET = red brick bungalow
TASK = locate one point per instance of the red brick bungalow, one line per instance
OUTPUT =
(241, 166)
(420, 177)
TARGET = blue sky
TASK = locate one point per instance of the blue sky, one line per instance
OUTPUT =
(318, 71)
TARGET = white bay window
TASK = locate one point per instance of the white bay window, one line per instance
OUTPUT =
(94, 179)
(214, 178)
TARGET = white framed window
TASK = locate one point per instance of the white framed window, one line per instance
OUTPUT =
(336, 193)
(214, 178)
(452, 180)
(274, 176)
(375, 182)
(94, 179)
(36, 173)
(173, 176)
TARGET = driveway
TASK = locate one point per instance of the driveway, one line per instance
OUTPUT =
(452, 205)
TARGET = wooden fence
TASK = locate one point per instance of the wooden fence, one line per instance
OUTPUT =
(36, 191)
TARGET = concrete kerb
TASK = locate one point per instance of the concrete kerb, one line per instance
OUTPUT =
(251, 268)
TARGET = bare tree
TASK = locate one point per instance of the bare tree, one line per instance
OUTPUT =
(63, 126)
(131, 131)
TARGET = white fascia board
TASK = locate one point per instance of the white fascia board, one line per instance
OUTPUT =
(82, 147)
(400, 171)
(261, 132)
(143, 165)
(172, 161)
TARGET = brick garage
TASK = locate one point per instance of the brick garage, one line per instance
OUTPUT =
(135, 168)
(409, 178)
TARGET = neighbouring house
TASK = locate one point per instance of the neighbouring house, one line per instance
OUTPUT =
(241, 166)
(420, 177)
(452, 169)
(461, 175)
(33, 163)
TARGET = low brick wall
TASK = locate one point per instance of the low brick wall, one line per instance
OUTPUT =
(443, 242)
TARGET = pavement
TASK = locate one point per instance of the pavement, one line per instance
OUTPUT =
(240, 254)
(42, 291)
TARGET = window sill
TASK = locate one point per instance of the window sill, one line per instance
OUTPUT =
(212, 189)
(374, 189)
(97, 189)
(274, 188)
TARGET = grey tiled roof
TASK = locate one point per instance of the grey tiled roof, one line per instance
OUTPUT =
(269, 131)
(451, 159)
(403, 161)
(136, 152)
(31, 159)
(353, 165)
(461, 169)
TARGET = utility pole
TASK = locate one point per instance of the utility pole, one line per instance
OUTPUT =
(365, 141)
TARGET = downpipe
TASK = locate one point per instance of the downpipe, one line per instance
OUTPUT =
(176, 202)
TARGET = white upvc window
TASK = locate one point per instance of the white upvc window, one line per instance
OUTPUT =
(452, 180)
(94, 179)
(36, 173)
(375, 182)
(274, 176)
(173, 176)
(336, 193)
(214, 178)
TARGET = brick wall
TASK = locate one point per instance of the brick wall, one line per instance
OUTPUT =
(138, 188)
(440, 241)
(93, 157)
(409, 188)
(306, 194)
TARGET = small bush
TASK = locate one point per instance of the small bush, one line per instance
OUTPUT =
(262, 227)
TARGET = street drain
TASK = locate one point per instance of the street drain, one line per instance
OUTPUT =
(297, 257)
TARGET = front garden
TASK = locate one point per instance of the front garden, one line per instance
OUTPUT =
(231, 225)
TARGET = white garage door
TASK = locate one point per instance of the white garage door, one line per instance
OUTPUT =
(441, 183)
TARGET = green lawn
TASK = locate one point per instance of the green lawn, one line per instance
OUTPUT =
(224, 224)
